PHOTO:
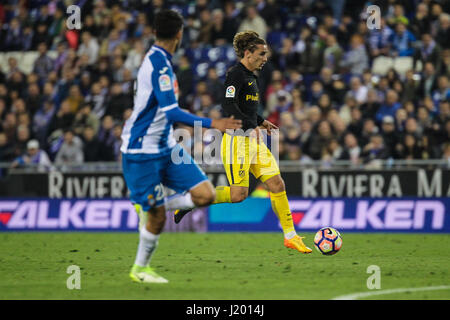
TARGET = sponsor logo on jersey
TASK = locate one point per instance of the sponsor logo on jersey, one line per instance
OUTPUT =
(165, 83)
(230, 92)
(252, 97)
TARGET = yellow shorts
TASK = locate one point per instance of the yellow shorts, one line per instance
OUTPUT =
(241, 155)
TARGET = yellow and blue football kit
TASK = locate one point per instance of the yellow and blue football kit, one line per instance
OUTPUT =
(244, 152)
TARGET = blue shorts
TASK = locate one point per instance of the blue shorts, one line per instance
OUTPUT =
(145, 175)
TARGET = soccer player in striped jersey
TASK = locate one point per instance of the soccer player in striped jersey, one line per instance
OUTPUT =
(148, 145)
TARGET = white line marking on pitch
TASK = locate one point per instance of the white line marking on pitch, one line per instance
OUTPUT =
(359, 295)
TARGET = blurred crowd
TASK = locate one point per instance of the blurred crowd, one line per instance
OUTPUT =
(318, 85)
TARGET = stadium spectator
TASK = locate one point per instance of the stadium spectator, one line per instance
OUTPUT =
(34, 156)
(442, 92)
(106, 137)
(320, 141)
(63, 119)
(358, 90)
(89, 46)
(40, 35)
(91, 145)
(287, 57)
(428, 81)
(56, 28)
(374, 151)
(443, 32)
(332, 54)
(390, 107)
(218, 33)
(429, 51)
(75, 99)
(22, 135)
(390, 136)
(230, 20)
(351, 151)
(85, 118)
(206, 26)
(13, 37)
(409, 149)
(71, 150)
(253, 22)
(134, 57)
(378, 39)
(41, 121)
(402, 41)
(421, 23)
(6, 148)
(43, 64)
(356, 59)
(117, 103)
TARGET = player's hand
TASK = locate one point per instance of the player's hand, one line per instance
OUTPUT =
(269, 126)
(226, 123)
(256, 134)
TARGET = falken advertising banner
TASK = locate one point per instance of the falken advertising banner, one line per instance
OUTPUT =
(349, 214)
(67, 214)
(43, 214)
(254, 214)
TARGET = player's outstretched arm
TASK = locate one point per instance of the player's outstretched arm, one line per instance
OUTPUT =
(226, 123)
(175, 114)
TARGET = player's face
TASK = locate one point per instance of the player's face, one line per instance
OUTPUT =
(259, 57)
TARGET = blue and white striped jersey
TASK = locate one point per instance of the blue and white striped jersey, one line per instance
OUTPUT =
(149, 130)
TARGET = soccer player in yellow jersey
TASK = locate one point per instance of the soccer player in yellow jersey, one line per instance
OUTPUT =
(244, 151)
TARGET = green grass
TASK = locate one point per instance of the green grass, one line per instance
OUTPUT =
(220, 266)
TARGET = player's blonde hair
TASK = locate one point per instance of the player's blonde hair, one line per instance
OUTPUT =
(246, 40)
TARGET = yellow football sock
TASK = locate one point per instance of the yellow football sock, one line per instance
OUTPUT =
(280, 206)
(223, 195)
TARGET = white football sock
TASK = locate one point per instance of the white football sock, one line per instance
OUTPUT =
(179, 201)
(147, 245)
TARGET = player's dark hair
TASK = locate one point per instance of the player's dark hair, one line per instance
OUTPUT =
(246, 40)
(167, 23)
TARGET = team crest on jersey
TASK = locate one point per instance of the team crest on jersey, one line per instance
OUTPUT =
(164, 83)
(151, 200)
(230, 92)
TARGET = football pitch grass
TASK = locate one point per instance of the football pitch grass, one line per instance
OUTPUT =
(222, 266)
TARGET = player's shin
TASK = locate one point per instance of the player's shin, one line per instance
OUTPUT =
(223, 195)
(280, 206)
(147, 245)
(143, 216)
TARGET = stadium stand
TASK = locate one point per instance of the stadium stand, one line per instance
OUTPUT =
(48, 73)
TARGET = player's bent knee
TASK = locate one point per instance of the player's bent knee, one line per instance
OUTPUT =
(205, 199)
(203, 195)
(276, 184)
